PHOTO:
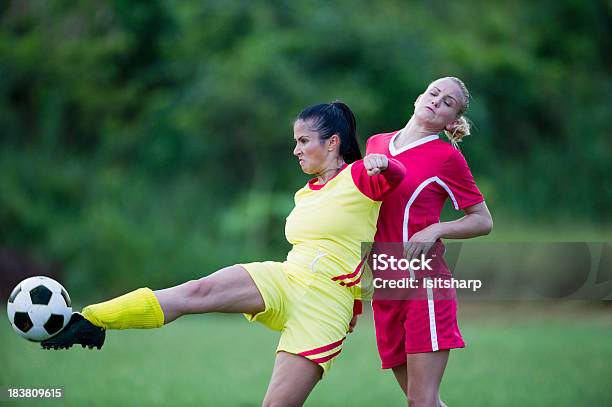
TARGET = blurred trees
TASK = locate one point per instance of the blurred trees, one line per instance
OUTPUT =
(150, 141)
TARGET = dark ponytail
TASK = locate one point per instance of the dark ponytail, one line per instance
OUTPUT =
(328, 119)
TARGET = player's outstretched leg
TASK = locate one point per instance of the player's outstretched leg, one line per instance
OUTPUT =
(137, 309)
(228, 290)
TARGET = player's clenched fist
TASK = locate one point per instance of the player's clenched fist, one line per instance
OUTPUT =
(375, 163)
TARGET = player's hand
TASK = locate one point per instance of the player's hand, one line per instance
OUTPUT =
(375, 163)
(353, 323)
(421, 242)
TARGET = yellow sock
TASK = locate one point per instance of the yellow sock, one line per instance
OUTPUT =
(137, 309)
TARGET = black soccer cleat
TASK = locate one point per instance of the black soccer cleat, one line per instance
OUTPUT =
(78, 331)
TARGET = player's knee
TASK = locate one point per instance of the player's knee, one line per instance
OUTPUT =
(197, 289)
(421, 397)
(274, 401)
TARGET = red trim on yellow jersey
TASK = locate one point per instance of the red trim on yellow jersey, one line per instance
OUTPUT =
(357, 307)
(316, 187)
(326, 358)
(351, 275)
(322, 349)
(352, 283)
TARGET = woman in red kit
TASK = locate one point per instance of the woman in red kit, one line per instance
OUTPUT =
(414, 336)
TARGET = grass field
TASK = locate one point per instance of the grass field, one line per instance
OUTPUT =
(537, 354)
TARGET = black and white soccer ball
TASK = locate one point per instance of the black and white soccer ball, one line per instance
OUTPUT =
(38, 308)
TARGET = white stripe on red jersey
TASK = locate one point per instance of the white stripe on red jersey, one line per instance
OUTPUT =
(435, 171)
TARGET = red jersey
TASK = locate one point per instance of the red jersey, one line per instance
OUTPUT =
(435, 171)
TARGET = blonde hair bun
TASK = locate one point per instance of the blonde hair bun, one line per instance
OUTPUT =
(457, 131)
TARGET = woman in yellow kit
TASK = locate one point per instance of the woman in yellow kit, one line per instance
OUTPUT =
(310, 296)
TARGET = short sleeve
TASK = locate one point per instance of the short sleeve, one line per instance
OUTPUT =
(459, 183)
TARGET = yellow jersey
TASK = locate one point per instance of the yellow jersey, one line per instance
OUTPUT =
(330, 221)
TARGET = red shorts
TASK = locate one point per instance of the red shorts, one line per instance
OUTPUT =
(414, 326)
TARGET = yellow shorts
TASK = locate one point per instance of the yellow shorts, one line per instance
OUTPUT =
(312, 312)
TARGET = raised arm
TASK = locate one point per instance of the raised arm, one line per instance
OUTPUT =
(377, 174)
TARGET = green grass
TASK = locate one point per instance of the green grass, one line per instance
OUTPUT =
(535, 355)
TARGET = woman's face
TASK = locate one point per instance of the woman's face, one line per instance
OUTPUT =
(439, 105)
(312, 153)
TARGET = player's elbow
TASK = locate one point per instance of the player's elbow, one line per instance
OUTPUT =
(485, 221)
(487, 225)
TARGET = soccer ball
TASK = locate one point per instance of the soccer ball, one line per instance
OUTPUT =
(38, 308)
